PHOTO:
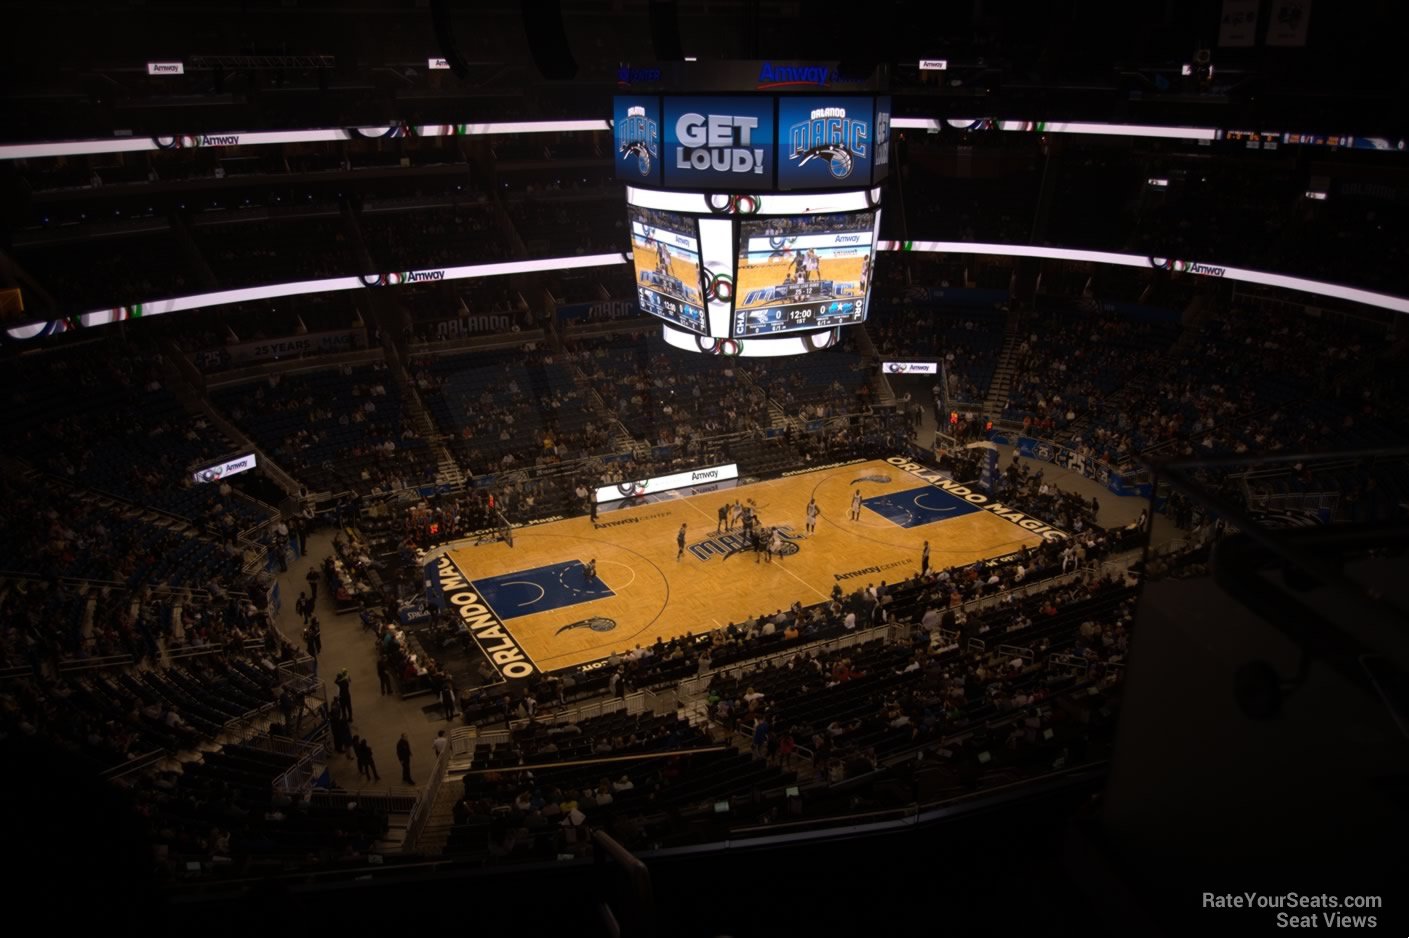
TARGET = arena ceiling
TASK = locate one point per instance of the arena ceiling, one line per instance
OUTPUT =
(82, 67)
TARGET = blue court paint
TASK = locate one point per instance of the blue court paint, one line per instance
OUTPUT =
(915, 507)
(529, 592)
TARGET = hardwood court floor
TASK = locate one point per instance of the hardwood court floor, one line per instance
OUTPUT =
(757, 273)
(681, 269)
(560, 618)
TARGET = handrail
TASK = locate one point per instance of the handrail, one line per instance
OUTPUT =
(133, 766)
(603, 760)
(915, 811)
(585, 711)
(299, 776)
(236, 376)
(928, 811)
(157, 589)
(421, 811)
(642, 894)
(689, 688)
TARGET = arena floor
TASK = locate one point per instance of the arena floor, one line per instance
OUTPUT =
(534, 604)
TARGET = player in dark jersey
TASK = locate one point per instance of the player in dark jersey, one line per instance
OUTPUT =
(799, 273)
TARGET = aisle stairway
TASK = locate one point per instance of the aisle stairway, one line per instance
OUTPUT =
(1006, 371)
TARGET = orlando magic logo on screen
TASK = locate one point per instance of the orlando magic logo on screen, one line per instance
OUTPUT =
(638, 136)
(831, 136)
(782, 245)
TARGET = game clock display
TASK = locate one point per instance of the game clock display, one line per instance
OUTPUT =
(776, 319)
(666, 307)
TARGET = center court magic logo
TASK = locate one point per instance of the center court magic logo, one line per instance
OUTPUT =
(724, 545)
(595, 624)
(831, 137)
(639, 136)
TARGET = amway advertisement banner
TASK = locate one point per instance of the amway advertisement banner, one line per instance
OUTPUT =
(910, 368)
(718, 143)
(229, 468)
(676, 480)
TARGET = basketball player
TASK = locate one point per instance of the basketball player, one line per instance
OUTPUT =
(662, 260)
(799, 272)
(680, 543)
(856, 506)
(812, 512)
(925, 559)
(736, 515)
(775, 546)
(590, 571)
(723, 518)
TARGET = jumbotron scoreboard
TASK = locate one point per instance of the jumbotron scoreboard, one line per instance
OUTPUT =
(754, 218)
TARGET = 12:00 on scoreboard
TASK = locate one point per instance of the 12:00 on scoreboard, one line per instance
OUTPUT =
(825, 315)
(683, 314)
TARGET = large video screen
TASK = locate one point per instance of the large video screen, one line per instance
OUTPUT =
(666, 253)
(803, 272)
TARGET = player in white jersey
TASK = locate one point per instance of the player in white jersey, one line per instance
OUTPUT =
(856, 506)
(812, 512)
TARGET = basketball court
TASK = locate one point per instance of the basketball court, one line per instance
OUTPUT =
(684, 274)
(758, 280)
(570, 592)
